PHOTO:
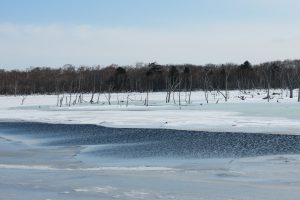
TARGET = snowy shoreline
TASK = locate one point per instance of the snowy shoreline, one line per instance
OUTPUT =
(253, 115)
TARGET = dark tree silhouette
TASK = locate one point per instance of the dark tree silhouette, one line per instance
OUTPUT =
(70, 83)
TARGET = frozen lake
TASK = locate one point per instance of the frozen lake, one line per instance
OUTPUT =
(58, 161)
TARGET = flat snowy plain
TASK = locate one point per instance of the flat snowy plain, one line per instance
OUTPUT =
(254, 114)
(31, 170)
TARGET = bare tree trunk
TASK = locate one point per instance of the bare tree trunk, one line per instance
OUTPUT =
(179, 100)
(75, 100)
(66, 100)
(81, 98)
(23, 99)
(224, 95)
(174, 101)
(57, 103)
(61, 101)
(227, 74)
(190, 93)
(168, 96)
(118, 99)
(16, 88)
(268, 95)
(168, 88)
(92, 98)
(99, 95)
(127, 99)
(206, 95)
(108, 97)
(226, 89)
(98, 98)
(70, 95)
(70, 100)
(206, 86)
(291, 93)
(299, 94)
(94, 90)
(147, 98)
(79, 90)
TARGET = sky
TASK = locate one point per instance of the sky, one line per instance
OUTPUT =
(124, 32)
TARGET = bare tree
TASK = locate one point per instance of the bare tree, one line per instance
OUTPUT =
(291, 78)
(70, 93)
(23, 99)
(187, 79)
(94, 89)
(108, 96)
(267, 74)
(206, 85)
(226, 70)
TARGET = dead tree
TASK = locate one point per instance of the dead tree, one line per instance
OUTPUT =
(226, 69)
(291, 79)
(94, 90)
(57, 101)
(70, 94)
(299, 93)
(298, 82)
(172, 83)
(108, 96)
(57, 92)
(23, 99)
(127, 100)
(207, 85)
(99, 93)
(149, 75)
(179, 91)
(267, 73)
(61, 100)
(187, 78)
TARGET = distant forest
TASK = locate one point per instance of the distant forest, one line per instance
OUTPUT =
(151, 77)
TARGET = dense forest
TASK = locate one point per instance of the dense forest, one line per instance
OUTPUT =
(151, 77)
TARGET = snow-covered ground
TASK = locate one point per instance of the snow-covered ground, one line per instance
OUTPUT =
(254, 114)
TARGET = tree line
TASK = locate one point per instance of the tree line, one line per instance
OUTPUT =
(152, 77)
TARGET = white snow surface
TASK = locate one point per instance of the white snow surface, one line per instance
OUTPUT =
(253, 115)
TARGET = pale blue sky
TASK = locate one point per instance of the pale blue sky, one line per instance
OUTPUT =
(144, 13)
(55, 32)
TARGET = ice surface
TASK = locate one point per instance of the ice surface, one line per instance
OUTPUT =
(54, 164)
